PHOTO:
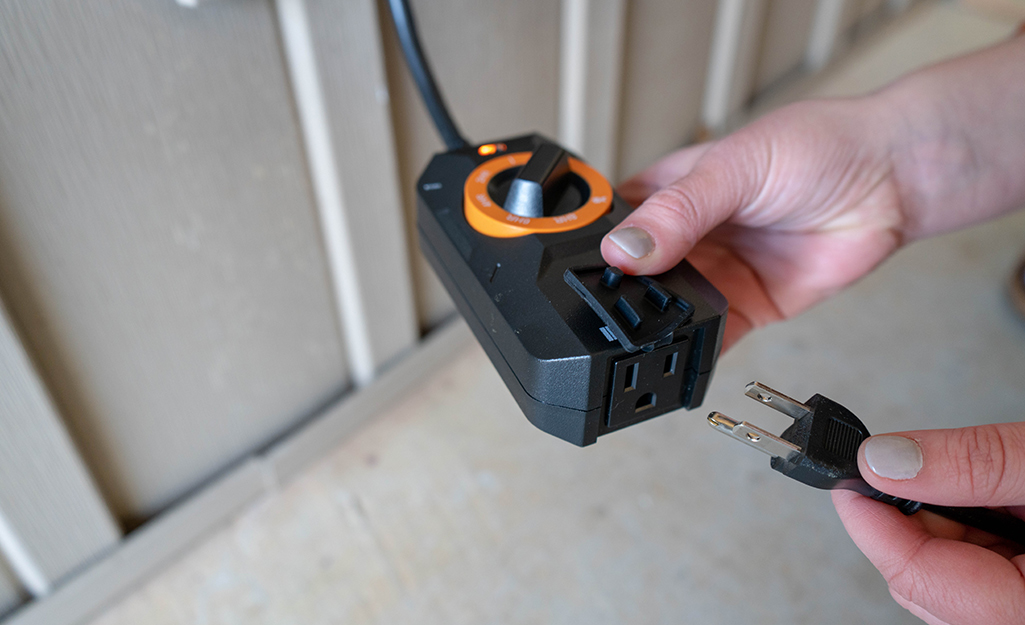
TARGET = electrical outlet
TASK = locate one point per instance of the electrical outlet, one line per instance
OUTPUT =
(645, 385)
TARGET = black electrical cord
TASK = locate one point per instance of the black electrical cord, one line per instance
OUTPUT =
(405, 26)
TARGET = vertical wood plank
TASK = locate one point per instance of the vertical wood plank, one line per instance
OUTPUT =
(666, 60)
(829, 30)
(52, 518)
(573, 73)
(868, 7)
(787, 28)
(12, 593)
(320, 155)
(159, 246)
(359, 220)
(752, 34)
(350, 57)
(591, 79)
(497, 63)
(737, 41)
(144, 552)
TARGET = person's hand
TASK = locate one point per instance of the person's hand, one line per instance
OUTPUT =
(778, 215)
(941, 571)
(802, 203)
(805, 201)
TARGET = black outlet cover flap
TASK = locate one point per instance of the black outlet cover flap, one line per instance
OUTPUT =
(640, 312)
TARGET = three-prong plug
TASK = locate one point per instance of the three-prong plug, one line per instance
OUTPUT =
(819, 449)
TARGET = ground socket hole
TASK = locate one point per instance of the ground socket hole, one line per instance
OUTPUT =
(646, 401)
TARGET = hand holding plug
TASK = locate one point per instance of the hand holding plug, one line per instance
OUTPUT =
(966, 571)
(820, 449)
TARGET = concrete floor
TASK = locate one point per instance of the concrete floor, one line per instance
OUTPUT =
(452, 509)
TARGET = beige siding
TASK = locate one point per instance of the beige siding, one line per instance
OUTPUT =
(11, 592)
(52, 516)
(590, 73)
(787, 27)
(207, 231)
(868, 7)
(666, 60)
(347, 39)
(158, 243)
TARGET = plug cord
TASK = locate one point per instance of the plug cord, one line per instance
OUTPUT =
(998, 523)
(995, 522)
(405, 27)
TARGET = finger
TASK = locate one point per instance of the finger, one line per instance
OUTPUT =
(927, 618)
(666, 226)
(942, 527)
(939, 580)
(750, 305)
(664, 172)
(974, 466)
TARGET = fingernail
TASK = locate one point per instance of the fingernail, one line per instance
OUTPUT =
(893, 457)
(633, 241)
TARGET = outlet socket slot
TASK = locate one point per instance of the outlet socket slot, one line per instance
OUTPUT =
(670, 366)
(631, 377)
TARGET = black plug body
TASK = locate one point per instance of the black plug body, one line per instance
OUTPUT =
(829, 435)
(513, 229)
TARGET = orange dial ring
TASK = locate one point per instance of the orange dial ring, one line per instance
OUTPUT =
(490, 219)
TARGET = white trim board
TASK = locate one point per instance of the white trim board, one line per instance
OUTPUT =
(144, 552)
(591, 75)
(736, 45)
(52, 518)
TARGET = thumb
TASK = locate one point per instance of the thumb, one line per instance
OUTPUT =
(656, 236)
(974, 466)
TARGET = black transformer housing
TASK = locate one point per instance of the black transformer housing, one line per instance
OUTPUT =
(559, 358)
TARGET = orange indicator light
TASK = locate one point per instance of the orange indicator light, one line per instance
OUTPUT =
(490, 148)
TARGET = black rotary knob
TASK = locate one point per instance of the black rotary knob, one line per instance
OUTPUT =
(544, 187)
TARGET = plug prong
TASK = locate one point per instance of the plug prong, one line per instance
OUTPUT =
(776, 400)
(753, 435)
